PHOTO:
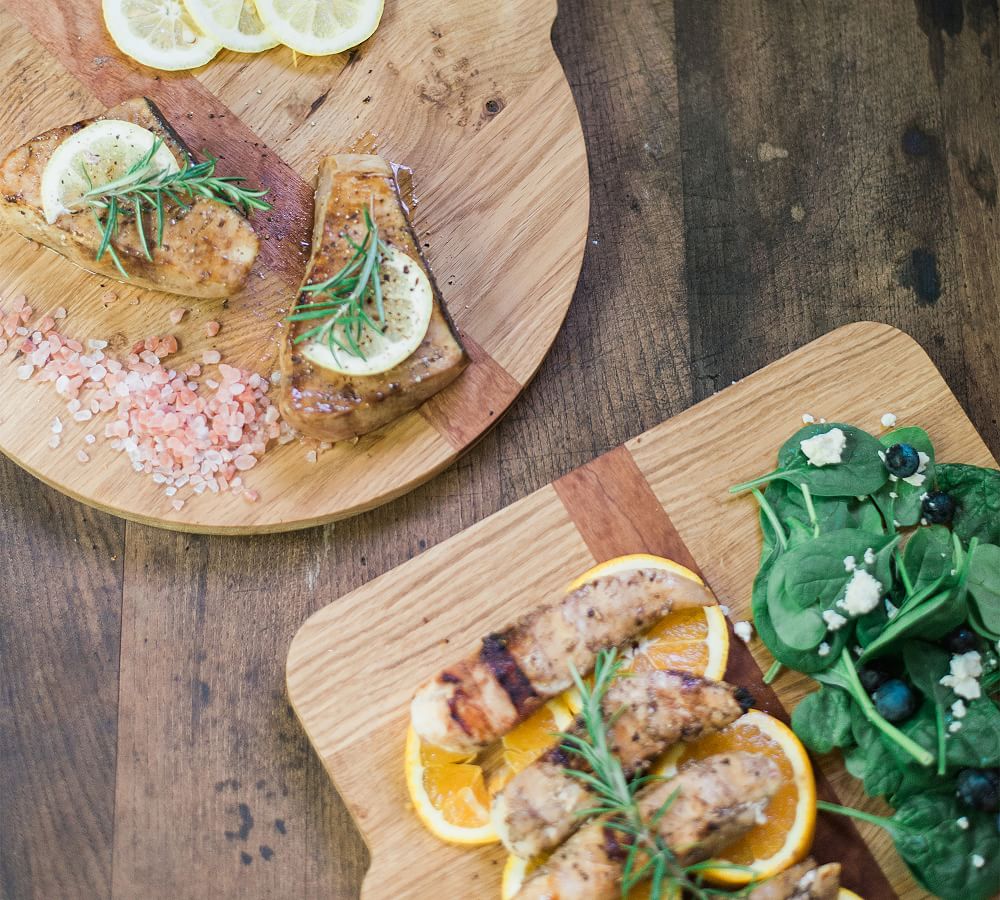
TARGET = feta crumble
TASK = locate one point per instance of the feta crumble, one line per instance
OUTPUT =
(869, 557)
(744, 631)
(850, 564)
(888, 420)
(962, 822)
(891, 610)
(954, 726)
(724, 610)
(958, 709)
(978, 861)
(964, 676)
(834, 620)
(823, 649)
(825, 449)
(808, 419)
(862, 594)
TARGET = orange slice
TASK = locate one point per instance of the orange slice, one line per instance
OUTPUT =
(689, 640)
(451, 793)
(448, 793)
(516, 870)
(523, 745)
(786, 836)
(845, 894)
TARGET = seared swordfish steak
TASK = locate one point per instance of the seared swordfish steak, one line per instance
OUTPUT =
(326, 404)
(207, 250)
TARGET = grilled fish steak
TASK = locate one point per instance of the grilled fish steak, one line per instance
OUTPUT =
(325, 404)
(542, 805)
(482, 697)
(717, 800)
(805, 881)
(207, 250)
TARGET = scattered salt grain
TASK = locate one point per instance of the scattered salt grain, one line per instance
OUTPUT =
(25, 372)
(177, 504)
(212, 328)
(311, 456)
(89, 439)
(59, 313)
(211, 357)
(82, 456)
(888, 420)
(176, 315)
(54, 441)
(744, 631)
(808, 418)
(57, 425)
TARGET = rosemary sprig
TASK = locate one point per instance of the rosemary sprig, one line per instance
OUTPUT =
(145, 186)
(648, 856)
(340, 300)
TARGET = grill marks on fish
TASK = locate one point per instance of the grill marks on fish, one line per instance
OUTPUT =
(649, 712)
(714, 802)
(520, 667)
(207, 251)
(327, 405)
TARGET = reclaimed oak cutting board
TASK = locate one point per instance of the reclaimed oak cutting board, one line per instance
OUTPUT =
(354, 665)
(469, 96)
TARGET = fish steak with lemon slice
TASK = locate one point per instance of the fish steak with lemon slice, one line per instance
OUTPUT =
(207, 248)
(368, 338)
(483, 696)
(646, 714)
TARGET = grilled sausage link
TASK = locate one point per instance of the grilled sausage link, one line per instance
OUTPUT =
(714, 802)
(482, 697)
(540, 807)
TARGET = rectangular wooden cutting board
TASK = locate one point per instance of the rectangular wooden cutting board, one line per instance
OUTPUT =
(354, 665)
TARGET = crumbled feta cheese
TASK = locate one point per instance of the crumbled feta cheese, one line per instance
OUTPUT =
(954, 726)
(862, 594)
(924, 459)
(834, 620)
(744, 631)
(823, 649)
(724, 609)
(962, 822)
(891, 610)
(964, 676)
(850, 564)
(881, 455)
(888, 420)
(978, 861)
(893, 495)
(808, 419)
(869, 557)
(916, 479)
(958, 709)
(825, 449)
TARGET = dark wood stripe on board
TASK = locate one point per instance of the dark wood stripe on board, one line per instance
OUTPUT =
(75, 35)
(616, 512)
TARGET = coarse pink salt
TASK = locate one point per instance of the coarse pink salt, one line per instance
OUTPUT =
(59, 313)
(212, 328)
(177, 314)
(251, 496)
(210, 357)
(19, 303)
(82, 456)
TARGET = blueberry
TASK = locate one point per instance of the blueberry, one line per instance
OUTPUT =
(902, 460)
(980, 788)
(938, 508)
(895, 700)
(872, 679)
(961, 640)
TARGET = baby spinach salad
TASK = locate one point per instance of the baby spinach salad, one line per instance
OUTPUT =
(880, 578)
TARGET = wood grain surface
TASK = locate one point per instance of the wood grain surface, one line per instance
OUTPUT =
(703, 271)
(665, 491)
(471, 101)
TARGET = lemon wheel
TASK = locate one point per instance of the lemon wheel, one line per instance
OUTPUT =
(233, 23)
(158, 33)
(321, 27)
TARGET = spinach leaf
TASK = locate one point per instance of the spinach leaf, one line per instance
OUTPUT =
(927, 664)
(859, 472)
(904, 508)
(822, 720)
(928, 557)
(977, 743)
(976, 492)
(984, 585)
(931, 619)
(940, 853)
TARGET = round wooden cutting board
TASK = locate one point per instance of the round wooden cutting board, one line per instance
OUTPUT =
(468, 97)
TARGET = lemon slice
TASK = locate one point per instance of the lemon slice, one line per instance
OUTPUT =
(408, 300)
(158, 33)
(321, 27)
(233, 23)
(101, 152)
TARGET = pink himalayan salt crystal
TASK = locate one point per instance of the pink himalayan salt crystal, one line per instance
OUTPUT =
(210, 357)
(212, 329)
(168, 428)
(177, 314)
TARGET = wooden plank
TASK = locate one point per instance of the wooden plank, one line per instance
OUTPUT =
(829, 156)
(61, 568)
(473, 100)
(672, 497)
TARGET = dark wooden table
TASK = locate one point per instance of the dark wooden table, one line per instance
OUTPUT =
(761, 171)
